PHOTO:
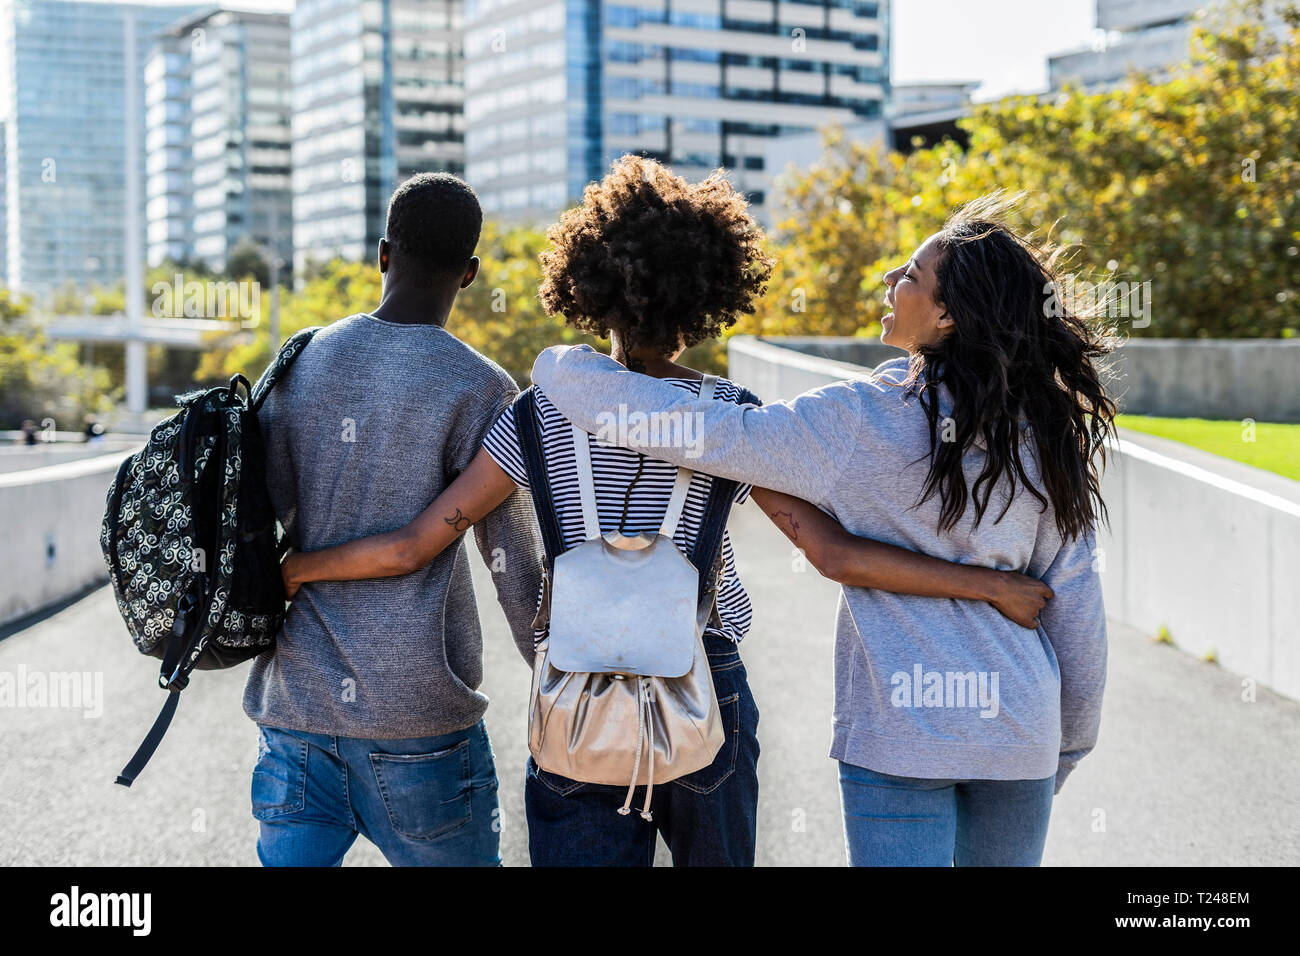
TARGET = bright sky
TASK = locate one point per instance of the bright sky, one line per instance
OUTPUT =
(1002, 43)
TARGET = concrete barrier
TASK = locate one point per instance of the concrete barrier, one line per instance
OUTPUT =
(775, 372)
(19, 457)
(51, 521)
(1208, 378)
(1202, 547)
(1212, 559)
(1229, 379)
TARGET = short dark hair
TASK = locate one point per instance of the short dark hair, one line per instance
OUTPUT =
(433, 226)
(662, 261)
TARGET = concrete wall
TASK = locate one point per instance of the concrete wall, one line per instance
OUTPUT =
(19, 457)
(1203, 547)
(1209, 378)
(1181, 378)
(1213, 559)
(775, 371)
(51, 521)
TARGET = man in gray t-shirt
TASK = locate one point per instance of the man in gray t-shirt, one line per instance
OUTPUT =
(369, 710)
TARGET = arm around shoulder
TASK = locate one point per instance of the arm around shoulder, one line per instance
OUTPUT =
(799, 447)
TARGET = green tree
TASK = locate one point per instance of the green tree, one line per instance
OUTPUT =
(1191, 184)
(39, 379)
(247, 260)
(336, 289)
(499, 314)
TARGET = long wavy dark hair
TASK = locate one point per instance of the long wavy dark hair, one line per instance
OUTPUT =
(1019, 364)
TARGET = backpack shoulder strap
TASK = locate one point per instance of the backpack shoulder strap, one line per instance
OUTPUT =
(708, 543)
(283, 360)
(682, 484)
(586, 483)
(524, 409)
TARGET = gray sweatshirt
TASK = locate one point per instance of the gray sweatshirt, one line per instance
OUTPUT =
(924, 687)
(371, 423)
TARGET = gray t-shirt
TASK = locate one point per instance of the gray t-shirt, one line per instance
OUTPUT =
(368, 427)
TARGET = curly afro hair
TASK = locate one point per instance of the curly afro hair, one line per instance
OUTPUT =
(433, 226)
(663, 262)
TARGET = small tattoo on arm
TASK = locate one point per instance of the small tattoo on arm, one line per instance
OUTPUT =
(458, 521)
(794, 525)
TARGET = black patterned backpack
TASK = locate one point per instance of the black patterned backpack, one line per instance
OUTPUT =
(191, 539)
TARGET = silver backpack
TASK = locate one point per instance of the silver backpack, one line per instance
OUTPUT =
(622, 692)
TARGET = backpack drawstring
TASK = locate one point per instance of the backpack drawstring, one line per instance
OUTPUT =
(645, 728)
(649, 692)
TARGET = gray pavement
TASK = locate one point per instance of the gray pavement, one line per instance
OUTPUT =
(1186, 771)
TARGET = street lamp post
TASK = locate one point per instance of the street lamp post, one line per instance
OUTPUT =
(137, 383)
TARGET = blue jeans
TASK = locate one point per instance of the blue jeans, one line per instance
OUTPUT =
(707, 818)
(423, 801)
(909, 821)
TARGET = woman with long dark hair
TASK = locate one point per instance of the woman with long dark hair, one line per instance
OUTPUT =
(954, 726)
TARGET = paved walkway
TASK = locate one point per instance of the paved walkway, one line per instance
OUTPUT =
(1186, 772)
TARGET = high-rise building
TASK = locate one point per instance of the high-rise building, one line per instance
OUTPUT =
(1149, 35)
(926, 99)
(217, 141)
(792, 155)
(929, 111)
(377, 97)
(4, 212)
(167, 144)
(63, 78)
(555, 90)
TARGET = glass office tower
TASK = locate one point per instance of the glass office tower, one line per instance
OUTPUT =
(556, 90)
(62, 78)
(218, 137)
(1132, 35)
(377, 97)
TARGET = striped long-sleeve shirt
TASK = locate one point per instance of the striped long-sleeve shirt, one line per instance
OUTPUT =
(614, 469)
